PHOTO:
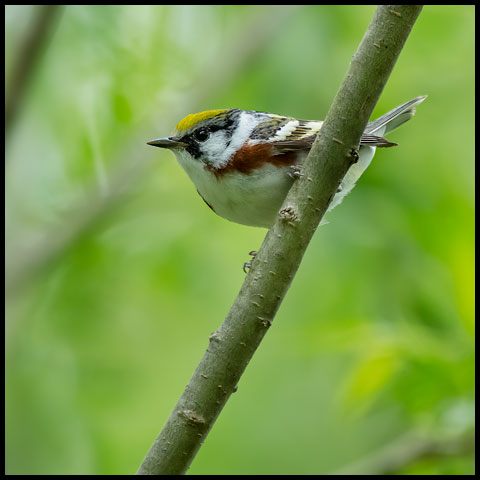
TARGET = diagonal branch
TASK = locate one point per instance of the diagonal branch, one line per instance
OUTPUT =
(31, 49)
(232, 346)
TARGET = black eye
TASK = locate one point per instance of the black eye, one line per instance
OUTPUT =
(201, 135)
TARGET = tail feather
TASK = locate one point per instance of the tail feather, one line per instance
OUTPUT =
(393, 119)
(372, 138)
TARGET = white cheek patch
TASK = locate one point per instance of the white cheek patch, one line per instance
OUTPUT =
(214, 147)
(217, 148)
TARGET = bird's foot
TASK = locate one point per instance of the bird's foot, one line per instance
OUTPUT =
(248, 264)
(295, 172)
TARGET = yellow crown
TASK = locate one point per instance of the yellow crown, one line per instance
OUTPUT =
(190, 120)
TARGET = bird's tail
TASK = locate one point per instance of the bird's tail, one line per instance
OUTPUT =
(393, 119)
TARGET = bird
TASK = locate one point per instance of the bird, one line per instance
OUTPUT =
(243, 162)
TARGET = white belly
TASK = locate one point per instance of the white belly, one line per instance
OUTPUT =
(252, 199)
(255, 199)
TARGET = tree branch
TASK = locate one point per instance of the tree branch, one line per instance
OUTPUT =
(232, 346)
(31, 49)
(410, 448)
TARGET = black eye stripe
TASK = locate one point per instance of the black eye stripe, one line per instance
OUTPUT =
(201, 134)
(225, 124)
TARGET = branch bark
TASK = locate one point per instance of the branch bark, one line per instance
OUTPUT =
(232, 346)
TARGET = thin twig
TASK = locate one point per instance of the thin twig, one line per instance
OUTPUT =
(409, 448)
(34, 44)
(232, 346)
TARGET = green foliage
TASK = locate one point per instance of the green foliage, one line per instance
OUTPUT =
(375, 337)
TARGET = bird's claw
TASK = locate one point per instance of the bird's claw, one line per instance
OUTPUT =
(354, 155)
(295, 172)
(248, 264)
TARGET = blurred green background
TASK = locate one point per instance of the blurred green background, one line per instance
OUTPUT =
(117, 272)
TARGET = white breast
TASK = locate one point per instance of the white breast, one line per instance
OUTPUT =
(252, 199)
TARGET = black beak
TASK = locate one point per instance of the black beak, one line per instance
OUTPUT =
(167, 142)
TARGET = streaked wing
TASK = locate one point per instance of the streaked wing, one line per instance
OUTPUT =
(303, 136)
(296, 135)
(290, 135)
(270, 127)
(376, 141)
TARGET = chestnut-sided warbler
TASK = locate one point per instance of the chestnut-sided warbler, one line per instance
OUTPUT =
(243, 162)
